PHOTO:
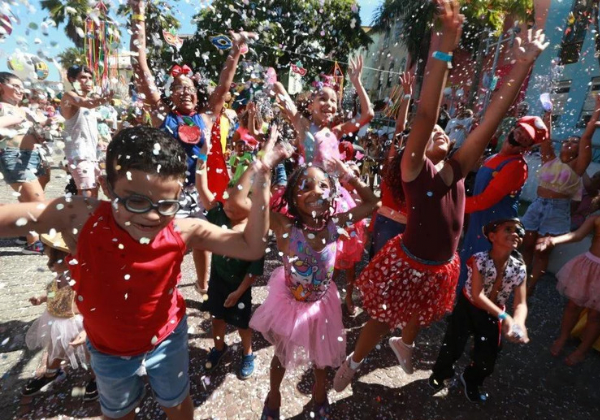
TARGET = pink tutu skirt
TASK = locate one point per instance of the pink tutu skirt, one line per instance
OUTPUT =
(579, 280)
(303, 333)
(55, 334)
(351, 243)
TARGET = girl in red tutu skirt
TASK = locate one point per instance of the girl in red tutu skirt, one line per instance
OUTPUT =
(579, 281)
(411, 282)
(302, 314)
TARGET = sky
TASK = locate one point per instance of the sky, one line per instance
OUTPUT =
(29, 38)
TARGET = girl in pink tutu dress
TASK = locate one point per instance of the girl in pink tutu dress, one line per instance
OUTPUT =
(411, 282)
(579, 281)
(301, 316)
(318, 140)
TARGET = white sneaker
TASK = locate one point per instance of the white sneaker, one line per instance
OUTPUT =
(404, 353)
(344, 375)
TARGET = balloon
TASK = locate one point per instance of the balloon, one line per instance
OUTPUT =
(41, 68)
(27, 66)
(5, 26)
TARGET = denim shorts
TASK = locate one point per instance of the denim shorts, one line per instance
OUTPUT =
(20, 165)
(120, 385)
(548, 216)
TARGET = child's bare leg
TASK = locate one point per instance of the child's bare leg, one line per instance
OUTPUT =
(128, 416)
(528, 247)
(370, 335)
(202, 264)
(320, 391)
(350, 278)
(569, 319)
(184, 411)
(276, 377)
(540, 264)
(411, 330)
(246, 336)
(590, 334)
(219, 328)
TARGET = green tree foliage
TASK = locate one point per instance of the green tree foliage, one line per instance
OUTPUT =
(289, 30)
(71, 56)
(72, 13)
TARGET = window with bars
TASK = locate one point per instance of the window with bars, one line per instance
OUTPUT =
(590, 100)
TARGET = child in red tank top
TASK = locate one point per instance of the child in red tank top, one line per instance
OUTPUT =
(126, 264)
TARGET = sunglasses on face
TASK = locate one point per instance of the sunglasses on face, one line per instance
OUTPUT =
(140, 204)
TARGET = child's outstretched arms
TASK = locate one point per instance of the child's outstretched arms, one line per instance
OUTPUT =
(526, 51)
(585, 144)
(204, 193)
(431, 94)
(66, 216)
(144, 79)
(249, 244)
(406, 80)
(273, 154)
(368, 200)
(217, 98)
(38, 300)
(483, 302)
(366, 111)
(585, 229)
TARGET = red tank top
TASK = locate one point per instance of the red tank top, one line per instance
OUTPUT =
(435, 213)
(126, 291)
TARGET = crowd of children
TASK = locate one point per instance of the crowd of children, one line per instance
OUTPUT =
(171, 189)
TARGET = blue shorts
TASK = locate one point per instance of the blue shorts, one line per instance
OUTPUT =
(384, 230)
(20, 165)
(119, 379)
(548, 216)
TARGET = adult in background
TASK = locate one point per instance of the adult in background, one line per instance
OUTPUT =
(559, 183)
(188, 114)
(81, 129)
(458, 128)
(20, 139)
(498, 186)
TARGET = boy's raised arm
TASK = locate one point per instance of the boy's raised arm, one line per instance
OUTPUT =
(58, 214)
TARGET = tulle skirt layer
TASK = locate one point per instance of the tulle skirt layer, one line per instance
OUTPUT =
(303, 333)
(55, 334)
(579, 280)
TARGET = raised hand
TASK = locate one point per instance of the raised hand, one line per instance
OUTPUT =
(407, 80)
(544, 244)
(529, 46)
(243, 37)
(355, 70)
(137, 5)
(272, 153)
(79, 340)
(452, 21)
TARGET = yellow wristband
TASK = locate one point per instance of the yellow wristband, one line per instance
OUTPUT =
(141, 18)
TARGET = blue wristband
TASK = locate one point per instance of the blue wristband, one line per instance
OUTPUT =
(202, 157)
(442, 56)
(502, 316)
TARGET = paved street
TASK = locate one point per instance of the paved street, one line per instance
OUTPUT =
(528, 382)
